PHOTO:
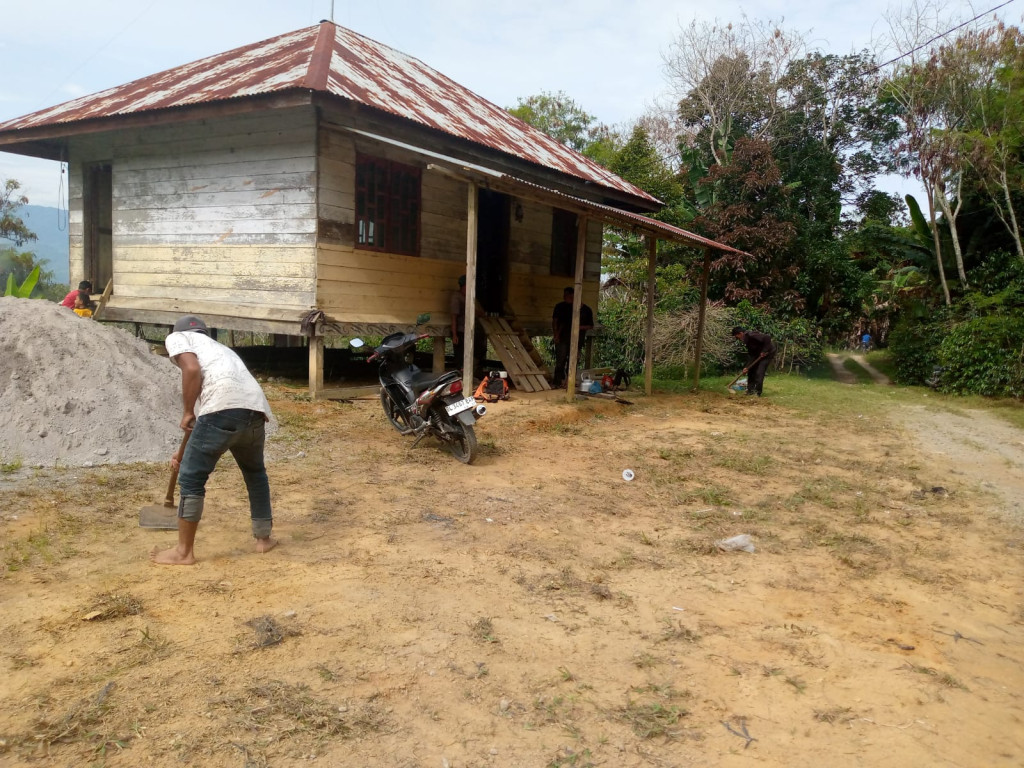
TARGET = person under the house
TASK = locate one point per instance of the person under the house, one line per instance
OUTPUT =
(457, 307)
(69, 300)
(760, 352)
(561, 330)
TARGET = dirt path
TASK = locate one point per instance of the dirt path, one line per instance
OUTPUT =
(974, 447)
(844, 376)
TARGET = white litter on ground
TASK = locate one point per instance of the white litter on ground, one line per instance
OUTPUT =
(75, 392)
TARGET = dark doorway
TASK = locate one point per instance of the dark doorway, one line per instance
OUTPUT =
(493, 212)
(99, 225)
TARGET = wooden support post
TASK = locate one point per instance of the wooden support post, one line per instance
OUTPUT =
(577, 302)
(652, 263)
(588, 353)
(699, 347)
(438, 362)
(231, 338)
(316, 366)
(469, 329)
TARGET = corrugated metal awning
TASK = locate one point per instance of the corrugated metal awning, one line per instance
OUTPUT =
(504, 182)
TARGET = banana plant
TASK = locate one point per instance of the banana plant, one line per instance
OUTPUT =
(24, 290)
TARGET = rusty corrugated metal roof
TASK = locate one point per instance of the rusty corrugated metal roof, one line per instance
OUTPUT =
(330, 59)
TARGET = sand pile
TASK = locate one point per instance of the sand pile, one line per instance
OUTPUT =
(74, 392)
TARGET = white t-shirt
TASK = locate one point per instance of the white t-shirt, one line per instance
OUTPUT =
(227, 383)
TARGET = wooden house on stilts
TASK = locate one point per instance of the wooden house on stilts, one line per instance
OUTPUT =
(322, 182)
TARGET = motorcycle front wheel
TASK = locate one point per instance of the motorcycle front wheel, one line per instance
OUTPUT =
(461, 441)
(394, 413)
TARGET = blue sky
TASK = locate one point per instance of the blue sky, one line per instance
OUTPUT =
(605, 54)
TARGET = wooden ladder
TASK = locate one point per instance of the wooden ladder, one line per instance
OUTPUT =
(521, 366)
(524, 339)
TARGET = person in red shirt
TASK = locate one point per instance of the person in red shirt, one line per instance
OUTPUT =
(69, 300)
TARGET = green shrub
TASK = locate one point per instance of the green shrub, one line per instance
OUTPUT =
(914, 346)
(984, 356)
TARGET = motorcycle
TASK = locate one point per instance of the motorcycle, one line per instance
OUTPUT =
(420, 403)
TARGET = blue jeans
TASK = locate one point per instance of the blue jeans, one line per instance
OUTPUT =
(242, 432)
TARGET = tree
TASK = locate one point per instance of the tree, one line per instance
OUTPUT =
(991, 141)
(11, 226)
(19, 269)
(751, 214)
(727, 79)
(564, 120)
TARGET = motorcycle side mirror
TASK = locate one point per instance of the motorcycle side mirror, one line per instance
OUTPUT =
(423, 319)
(356, 343)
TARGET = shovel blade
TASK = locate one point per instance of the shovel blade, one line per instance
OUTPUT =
(159, 517)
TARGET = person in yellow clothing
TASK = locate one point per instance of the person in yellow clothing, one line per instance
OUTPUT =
(81, 307)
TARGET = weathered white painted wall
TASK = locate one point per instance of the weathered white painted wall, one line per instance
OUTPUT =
(219, 212)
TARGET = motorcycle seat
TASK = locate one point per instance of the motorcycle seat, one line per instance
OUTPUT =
(417, 381)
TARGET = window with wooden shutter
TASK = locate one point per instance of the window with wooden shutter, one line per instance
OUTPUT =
(387, 206)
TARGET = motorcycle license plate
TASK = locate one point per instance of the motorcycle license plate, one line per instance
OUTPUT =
(459, 407)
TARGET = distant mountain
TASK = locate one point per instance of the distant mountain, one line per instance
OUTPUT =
(51, 227)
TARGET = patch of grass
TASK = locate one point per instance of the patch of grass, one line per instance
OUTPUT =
(942, 678)
(483, 630)
(645, 660)
(653, 719)
(10, 466)
(267, 631)
(834, 715)
(798, 685)
(278, 710)
(759, 465)
(86, 722)
(568, 757)
(113, 605)
(676, 631)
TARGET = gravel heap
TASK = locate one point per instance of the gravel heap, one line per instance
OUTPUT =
(74, 392)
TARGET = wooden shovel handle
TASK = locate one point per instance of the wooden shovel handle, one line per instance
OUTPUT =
(169, 500)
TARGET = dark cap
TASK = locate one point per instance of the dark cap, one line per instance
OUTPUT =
(736, 330)
(569, 289)
(191, 323)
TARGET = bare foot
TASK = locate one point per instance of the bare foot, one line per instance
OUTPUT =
(265, 545)
(172, 556)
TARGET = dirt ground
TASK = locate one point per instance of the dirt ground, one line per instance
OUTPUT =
(534, 609)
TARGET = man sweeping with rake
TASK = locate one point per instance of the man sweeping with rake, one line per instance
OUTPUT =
(760, 352)
(226, 410)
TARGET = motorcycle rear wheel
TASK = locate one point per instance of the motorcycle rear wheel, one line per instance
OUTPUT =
(394, 413)
(461, 441)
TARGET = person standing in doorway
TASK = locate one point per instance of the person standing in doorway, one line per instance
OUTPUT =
(226, 410)
(760, 352)
(561, 331)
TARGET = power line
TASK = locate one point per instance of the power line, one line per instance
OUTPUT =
(932, 40)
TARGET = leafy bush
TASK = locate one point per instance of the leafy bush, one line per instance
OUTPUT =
(914, 346)
(984, 356)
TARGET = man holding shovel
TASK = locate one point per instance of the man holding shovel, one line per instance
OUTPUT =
(226, 410)
(760, 351)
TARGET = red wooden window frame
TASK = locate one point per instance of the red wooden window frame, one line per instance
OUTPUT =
(387, 206)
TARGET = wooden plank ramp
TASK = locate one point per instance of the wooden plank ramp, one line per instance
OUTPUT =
(517, 361)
